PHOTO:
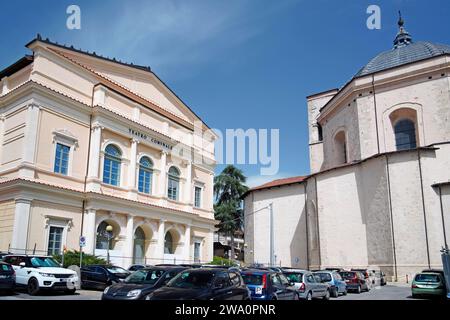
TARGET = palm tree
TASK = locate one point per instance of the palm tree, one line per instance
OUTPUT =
(229, 186)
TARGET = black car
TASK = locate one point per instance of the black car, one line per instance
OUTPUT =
(7, 277)
(101, 276)
(203, 284)
(141, 282)
(136, 267)
(2, 255)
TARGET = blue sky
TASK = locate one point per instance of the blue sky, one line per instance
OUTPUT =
(236, 63)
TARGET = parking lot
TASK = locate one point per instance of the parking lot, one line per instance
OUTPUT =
(388, 292)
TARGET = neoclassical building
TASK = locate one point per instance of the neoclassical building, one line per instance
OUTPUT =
(88, 142)
(379, 189)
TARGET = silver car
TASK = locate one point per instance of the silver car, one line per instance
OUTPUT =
(308, 285)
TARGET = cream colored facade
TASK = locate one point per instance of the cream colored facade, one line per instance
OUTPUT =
(62, 96)
(366, 202)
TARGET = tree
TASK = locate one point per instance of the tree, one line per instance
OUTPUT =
(229, 186)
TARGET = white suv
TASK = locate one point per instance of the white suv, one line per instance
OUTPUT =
(37, 273)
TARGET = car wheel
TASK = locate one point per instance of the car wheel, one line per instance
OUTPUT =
(335, 293)
(345, 292)
(358, 290)
(309, 296)
(33, 287)
(327, 295)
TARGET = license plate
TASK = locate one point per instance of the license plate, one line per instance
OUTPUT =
(3, 277)
(63, 280)
(347, 281)
(258, 290)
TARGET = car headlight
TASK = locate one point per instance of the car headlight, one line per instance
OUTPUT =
(134, 293)
(106, 290)
(48, 275)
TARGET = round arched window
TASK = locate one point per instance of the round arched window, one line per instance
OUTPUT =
(111, 165)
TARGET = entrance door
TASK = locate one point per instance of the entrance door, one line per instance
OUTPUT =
(139, 246)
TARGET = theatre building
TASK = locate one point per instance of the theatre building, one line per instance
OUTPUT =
(89, 143)
(378, 194)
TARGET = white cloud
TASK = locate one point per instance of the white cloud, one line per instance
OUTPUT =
(175, 35)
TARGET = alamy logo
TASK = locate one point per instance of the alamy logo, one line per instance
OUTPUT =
(74, 18)
(374, 20)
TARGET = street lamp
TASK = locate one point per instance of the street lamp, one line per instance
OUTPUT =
(109, 234)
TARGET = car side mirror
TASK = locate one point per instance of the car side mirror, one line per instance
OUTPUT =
(22, 264)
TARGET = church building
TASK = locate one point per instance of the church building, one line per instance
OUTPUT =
(378, 194)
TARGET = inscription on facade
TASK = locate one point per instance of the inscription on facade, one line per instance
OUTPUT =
(143, 136)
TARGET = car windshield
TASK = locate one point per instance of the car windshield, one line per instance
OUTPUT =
(114, 269)
(44, 262)
(324, 276)
(427, 277)
(144, 276)
(294, 277)
(194, 280)
(347, 275)
(253, 279)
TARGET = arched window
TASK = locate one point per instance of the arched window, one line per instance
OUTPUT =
(145, 175)
(174, 183)
(102, 237)
(111, 166)
(405, 134)
(168, 243)
(340, 143)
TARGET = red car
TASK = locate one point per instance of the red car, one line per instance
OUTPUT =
(355, 281)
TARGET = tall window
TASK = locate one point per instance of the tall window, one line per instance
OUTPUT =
(174, 183)
(55, 240)
(168, 243)
(340, 143)
(111, 167)
(197, 197)
(61, 159)
(405, 134)
(145, 175)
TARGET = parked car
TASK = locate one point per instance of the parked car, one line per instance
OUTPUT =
(37, 273)
(101, 276)
(136, 267)
(140, 283)
(269, 285)
(429, 283)
(7, 277)
(3, 254)
(191, 266)
(308, 286)
(367, 276)
(355, 281)
(334, 279)
(203, 284)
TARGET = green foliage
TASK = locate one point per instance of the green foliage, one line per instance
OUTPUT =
(229, 187)
(73, 258)
(222, 261)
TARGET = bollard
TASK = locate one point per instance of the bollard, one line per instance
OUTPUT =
(407, 279)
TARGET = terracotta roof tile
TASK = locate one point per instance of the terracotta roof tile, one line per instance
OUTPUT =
(280, 182)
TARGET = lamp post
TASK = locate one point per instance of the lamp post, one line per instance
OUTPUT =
(109, 235)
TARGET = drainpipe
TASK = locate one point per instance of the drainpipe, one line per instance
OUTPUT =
(392, 218)
(317, 222)
(423, 207)
(306, 225)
